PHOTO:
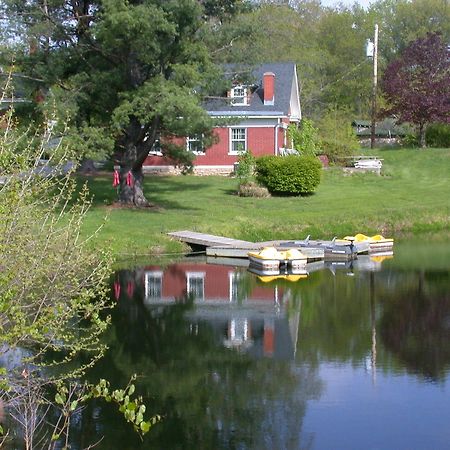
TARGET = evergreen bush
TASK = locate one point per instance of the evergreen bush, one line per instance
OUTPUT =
(438, 135)
(289, 175)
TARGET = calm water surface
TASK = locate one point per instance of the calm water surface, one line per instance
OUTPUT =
(351, 356)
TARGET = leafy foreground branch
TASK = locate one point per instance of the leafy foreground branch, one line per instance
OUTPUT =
(53, 299)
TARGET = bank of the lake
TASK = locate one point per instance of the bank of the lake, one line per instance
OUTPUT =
(410, 198)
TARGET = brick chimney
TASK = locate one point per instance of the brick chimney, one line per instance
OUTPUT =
(269, 88)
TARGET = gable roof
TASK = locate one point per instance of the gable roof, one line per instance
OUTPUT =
(285, 89)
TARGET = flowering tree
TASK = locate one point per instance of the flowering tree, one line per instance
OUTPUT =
(417, 85)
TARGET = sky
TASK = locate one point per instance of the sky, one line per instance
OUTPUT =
(364, 3)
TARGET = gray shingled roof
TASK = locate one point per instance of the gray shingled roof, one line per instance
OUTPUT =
(284, 74)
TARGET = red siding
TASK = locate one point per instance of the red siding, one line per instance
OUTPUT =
(216, 282)
(269, 339)
(260, 140)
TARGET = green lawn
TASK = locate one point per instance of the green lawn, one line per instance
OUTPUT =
(411, 197)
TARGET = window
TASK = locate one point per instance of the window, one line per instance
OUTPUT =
(239, 330)
(195, 145)
(153, 286)
(239, 95)
(236, 293)
(196, 285)
(156, 148)
(238, 140)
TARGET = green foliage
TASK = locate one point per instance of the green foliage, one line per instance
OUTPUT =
(410, 140)
(132, 409)
(371, 203)
(246, 166)
(289, 175)
(90, 142)
(129, 72)
(337, 135)
(438, 135)
(53, 290)
(305, 138)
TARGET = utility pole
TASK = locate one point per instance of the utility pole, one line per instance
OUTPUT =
(374, 87)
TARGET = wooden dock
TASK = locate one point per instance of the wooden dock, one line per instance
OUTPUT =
(226, 249)
(210, 240)
(219, 246)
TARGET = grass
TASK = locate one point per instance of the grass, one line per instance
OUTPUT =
(410, 198)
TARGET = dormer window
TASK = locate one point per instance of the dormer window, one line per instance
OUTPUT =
(239, 95)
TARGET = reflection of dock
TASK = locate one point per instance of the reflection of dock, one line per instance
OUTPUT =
(218, 246)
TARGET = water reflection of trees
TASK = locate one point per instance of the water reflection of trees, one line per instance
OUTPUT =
(210, 396)
(415, 324)
(215, 397)
(335, 317)
(348, 318)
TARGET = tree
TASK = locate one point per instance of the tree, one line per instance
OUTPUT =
(53, 295)
(404, 21)
(52, 289)
(417, 84)
(135, 70)
(305, 138)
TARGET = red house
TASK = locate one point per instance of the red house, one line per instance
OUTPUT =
(246, 316)
(261, 110)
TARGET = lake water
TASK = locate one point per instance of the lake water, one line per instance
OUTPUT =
(351, 356)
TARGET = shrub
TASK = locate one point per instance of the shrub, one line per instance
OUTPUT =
(251, 189)
(246, 166)
(305, 138)
(337, 135)
(289, 175)
(410, 140)
(438, 135)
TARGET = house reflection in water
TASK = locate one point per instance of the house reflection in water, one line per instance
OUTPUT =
(243, 313)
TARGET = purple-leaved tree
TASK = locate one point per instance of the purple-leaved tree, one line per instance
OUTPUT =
(417, 84)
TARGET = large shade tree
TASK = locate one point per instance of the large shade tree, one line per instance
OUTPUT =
(417, 84)
(123, 76)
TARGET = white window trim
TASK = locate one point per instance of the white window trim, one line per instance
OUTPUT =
(230, 135)
(241, 325)
(194, 139)
(195, 275)
(232, 280)
(157, 146)
(239, 100)
(155, 275)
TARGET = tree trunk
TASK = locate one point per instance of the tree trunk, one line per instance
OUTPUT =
(131, 191)
(423, 143)
(136, 143)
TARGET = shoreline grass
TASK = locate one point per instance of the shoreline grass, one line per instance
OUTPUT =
(410, 198)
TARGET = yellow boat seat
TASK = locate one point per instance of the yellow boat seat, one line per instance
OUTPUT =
(267, 253)
(293, 254)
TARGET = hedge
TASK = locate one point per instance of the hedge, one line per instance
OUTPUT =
(289, 175)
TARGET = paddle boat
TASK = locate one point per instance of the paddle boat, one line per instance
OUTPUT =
(271, 259)
(290, 277)
(376, 243)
